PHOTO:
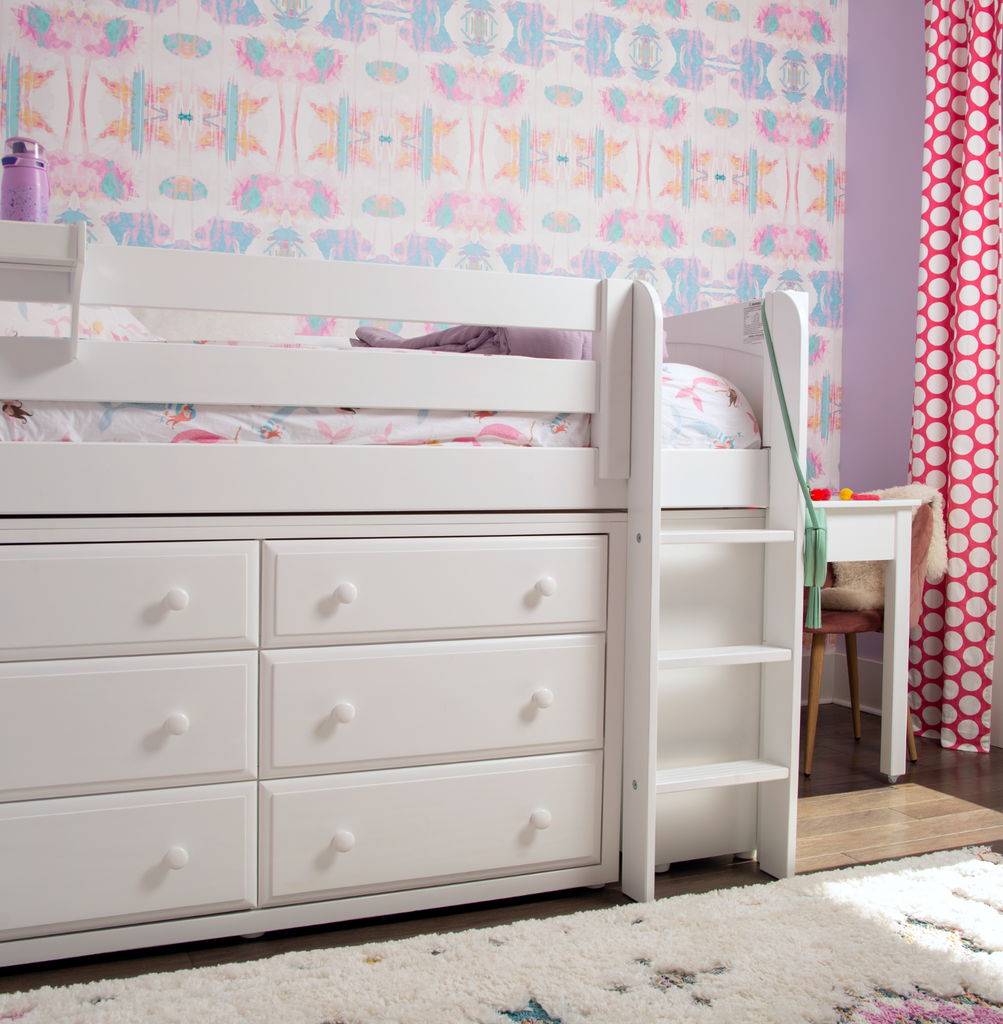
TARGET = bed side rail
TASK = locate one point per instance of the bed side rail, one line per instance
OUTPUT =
(132, 276)
(110, 371)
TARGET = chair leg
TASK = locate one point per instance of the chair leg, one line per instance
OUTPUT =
(910, 738)
(851, 671)
(814, 692)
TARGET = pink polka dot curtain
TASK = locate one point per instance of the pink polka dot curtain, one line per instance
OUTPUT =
(956, 398)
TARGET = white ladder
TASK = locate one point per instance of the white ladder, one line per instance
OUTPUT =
(774, 771)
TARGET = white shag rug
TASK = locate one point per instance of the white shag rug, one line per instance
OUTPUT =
(918, 940)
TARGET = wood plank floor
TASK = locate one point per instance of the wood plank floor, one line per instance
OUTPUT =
(847, 814)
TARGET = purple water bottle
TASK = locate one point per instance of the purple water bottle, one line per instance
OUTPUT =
(24, 191)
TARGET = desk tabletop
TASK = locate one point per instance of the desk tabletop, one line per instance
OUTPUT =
(852, 507)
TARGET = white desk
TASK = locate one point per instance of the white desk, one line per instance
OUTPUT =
(865, 531)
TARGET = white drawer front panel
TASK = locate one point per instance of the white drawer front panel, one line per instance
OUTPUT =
(420, 826)
(73, 600)
(70, 863)
(340, 591)
(103, 724)
(446, 700)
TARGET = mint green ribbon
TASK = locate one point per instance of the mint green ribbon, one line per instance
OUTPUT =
(815, 535)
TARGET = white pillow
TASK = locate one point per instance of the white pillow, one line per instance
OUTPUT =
(46, 320)
(701, 409)
(202, 325)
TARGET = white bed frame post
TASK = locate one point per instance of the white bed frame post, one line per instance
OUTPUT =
(643, 545)
(780, 704)
(611, 351)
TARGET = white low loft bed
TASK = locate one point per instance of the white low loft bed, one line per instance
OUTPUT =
(244, 641)
(714, 606)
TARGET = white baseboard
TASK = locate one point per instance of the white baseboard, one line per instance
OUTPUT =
(836, 685)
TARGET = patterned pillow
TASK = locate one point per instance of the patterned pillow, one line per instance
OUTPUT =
(703, 410)
(45, 320)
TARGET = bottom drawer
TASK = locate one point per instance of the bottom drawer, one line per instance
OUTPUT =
(83, 861)
(336, 835)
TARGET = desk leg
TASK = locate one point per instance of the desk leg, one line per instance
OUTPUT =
(895, 673)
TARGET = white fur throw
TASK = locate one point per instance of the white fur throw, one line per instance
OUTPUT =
(856, 585)
(859, 585)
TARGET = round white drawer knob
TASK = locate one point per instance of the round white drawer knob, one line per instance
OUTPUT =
(176, 858)
(543, 698)
(347, 593)
(177, 724)
(541, 819)
(343, 842)
(344, 712)
(177, 599)
(547, 586)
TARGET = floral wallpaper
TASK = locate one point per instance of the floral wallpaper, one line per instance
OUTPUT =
(698, 146)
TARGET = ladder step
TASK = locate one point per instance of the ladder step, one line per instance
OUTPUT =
(724, 773)
(747, 654)
(727, 536)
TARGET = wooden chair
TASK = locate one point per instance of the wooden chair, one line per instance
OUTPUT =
(868, 620)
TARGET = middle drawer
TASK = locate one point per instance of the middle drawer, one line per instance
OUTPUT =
(103, 725)
(382, 705)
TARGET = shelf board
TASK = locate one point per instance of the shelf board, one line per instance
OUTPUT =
(724, 773)
(727, 536)
(745, 654)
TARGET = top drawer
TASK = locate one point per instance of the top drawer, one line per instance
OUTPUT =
(352, 591)
(83, 600)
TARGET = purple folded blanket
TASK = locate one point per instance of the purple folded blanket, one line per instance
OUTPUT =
(503, 341)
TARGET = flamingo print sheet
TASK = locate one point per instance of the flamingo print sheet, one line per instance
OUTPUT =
(188, 424)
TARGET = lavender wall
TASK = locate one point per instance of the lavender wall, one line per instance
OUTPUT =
(884, 142)
(886, 97)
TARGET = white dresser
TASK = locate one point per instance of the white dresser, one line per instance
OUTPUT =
(216, 727)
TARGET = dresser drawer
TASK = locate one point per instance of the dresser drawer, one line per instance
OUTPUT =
(102, 860)
(345, 591)
(107, 724)
(83, 600)
(374, 831)
(373, 706)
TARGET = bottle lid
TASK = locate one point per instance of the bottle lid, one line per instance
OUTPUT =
(24, 152)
